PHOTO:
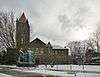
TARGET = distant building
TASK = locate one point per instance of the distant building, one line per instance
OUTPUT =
(96, 58)
(61, 55)
(46, 54)
(92, 57)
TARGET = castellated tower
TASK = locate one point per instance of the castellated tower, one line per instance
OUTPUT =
(22, 32)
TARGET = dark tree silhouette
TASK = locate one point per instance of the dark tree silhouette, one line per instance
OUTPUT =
(7, 29)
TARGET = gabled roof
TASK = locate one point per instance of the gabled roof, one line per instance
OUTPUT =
(22, 18)
(37, 40)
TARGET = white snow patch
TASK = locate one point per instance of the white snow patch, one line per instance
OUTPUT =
(4, 75)
(87, 75)
(73, 67)
(46, 72)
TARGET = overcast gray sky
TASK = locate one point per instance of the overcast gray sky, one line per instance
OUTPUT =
(58, 20)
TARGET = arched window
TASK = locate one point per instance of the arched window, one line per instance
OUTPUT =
(42, 50)
(37, 50)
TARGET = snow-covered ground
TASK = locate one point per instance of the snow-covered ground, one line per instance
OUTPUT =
(59, 67)
(71, 67)
(92, 68)
(4, 75)
(48, 70)
(87, 75)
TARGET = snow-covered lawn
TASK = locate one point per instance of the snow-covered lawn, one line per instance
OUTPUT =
(8, 66)
(42, 69)
(87, 75)
(57, 67)
(46, 70)
(4, 75)
(71, 67)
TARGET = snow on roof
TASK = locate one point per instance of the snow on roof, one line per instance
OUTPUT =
(57, 47)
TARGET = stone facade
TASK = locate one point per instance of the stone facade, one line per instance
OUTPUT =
(22, 32)
(46, 54)
(40, 50)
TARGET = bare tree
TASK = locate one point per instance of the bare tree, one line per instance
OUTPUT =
(90, 44)
(78, 49)
(94, 41)
(7, 29)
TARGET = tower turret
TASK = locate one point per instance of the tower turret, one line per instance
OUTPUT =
(22, 32)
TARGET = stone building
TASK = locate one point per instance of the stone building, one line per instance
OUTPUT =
(38, 46)
(22, 32)
(40, 51)
(47, 54)
(44, 53)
